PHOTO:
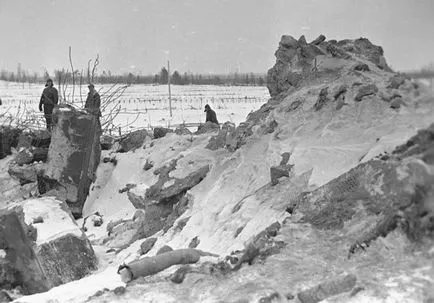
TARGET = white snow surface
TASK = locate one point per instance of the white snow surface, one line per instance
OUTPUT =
(324, 144)
(143, 105)
(80, 290)
(56, 221)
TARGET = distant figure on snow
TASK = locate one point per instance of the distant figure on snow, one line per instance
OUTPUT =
(93, 103)
(210, 115)
(49, 99)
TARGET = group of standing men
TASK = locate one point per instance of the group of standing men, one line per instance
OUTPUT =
(50, 97)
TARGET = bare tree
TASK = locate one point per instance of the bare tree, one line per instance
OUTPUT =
(110, 99)
(73, 76)
(81, 83)
(95, 65)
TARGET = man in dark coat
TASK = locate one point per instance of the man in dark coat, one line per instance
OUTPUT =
(93, 105)
(210, 115)
(93, 101)
(49, 99)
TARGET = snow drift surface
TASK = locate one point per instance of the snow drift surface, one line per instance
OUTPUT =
(336, 105)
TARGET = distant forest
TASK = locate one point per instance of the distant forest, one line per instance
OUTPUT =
(62, 76)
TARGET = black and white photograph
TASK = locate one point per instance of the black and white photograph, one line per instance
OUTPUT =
(217, 151)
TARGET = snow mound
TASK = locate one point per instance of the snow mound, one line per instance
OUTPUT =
(335, 105)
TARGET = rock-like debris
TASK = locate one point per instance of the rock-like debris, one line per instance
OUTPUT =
(382, 228)
(327, 289)
(238, 231)
(295, 60)
(261, 246)
(29, 259)
(179, 275)
(18, 267)
(160, 132)
(166, 200)
(120, 290)
(282, 170)
(401, 200)
(182, 130)
(159, 191)
(73, 157)
(294, 105)
(5, 297)
(148, 165)
(337, 52)
(270, 127)
(32, 146)
(133, 141)
(31, 154)
(322, 99)
(396, 103)
(361, 67)
(366, 90)
(356, 290)
(127, 188)
(194, 242)
(341, 102)
(302, 40)
(224, 138)
(207, 128)
(178, 209)
(270, 298)
(422, 143)
(107, 142)
(9, 137)
(341, 89)
(389, 96)
(122, 233)
(26, 173)
(147, 245)
(319, 40)
(218, 270)
(396, 81)
(110, 159)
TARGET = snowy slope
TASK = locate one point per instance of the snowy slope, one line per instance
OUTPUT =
(236, 201)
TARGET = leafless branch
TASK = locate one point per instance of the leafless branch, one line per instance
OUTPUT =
(81, 83)
(73, 76)
(95, 65)
(65, 85)
(88, 70)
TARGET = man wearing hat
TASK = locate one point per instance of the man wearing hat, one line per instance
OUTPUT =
(210, 115)
(93, 105)
(93, 101)
(49, 99)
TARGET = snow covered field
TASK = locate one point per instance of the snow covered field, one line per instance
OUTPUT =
(142, 105)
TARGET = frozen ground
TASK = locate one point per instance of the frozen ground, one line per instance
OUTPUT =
(324, 145)
(143, 105)
(236, 201)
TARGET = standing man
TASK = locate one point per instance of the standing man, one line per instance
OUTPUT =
(49, 99)
(210, 115)
(93, 105)
(93, 101)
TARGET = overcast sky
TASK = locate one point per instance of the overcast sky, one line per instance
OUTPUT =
(207, 36)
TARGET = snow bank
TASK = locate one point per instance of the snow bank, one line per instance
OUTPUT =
(56, 221)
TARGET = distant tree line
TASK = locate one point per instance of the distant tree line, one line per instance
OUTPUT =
(64, 76)
(184, 79)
